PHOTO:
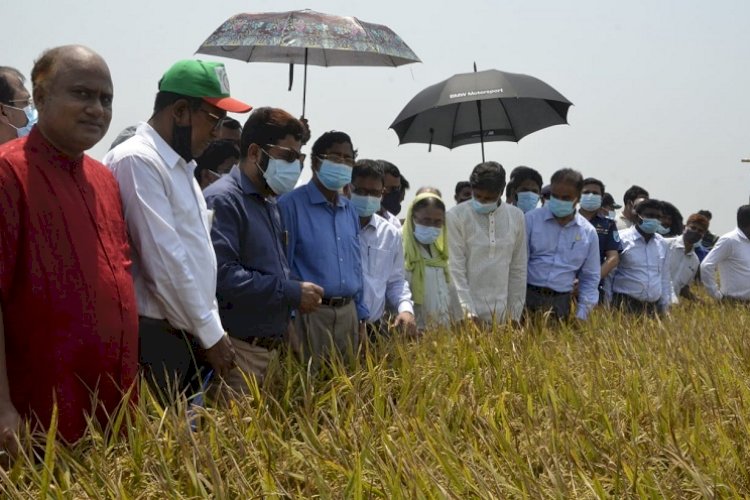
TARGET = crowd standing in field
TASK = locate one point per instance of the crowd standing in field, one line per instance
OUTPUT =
(191, 256)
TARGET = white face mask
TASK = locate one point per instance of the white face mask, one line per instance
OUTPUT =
(31, 118)
(281, 175)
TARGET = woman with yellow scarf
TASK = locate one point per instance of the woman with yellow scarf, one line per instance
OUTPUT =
(426, 261)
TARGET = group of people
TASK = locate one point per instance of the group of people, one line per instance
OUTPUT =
(190, 254)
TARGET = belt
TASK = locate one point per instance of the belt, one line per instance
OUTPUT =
(269, 343)
(625, 296)
(336, 301)
(545, 291)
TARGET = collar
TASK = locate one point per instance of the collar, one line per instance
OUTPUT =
(157, 142)
(742, 235)
(316, 196)
(36, 140)
(244, 182)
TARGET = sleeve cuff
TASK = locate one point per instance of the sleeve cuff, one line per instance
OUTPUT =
(211, 333)
(406, 306)
(293, 293)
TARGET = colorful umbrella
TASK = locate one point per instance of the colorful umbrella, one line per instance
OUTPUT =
(307, 37)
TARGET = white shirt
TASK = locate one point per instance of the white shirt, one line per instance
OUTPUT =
(440, 303)
(383, 268)
(731, 255)
(392, 219)
(622, 222)
(682, 266)
(488, 259)
(174, 264)
(643, 271)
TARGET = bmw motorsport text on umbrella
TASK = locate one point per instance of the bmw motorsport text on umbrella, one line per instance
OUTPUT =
(480, 107)
(307, 37)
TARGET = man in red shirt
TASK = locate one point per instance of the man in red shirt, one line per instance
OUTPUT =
(69, 325)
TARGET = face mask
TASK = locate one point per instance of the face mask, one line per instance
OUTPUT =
(280, 175)
(527, 200)
(334, 176)
(649, 226)
(426, 235)
(662, 230)
(612, 214)
(483, 208)
(31, 118)
(365, 206)
(392, 202)
(560, 208)
(182, 141)
(591, 202)
(691, 237)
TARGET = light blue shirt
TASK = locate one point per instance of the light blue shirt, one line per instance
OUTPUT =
(643, 271)
(323, 243)
(383, 268)
(560, 254)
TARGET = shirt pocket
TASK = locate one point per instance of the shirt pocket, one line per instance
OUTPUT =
(576, 247)
(375, 264)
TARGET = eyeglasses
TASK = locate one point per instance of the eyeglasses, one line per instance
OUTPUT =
(375, 193)
(286, 154)
(339, 158)
(218, 120)
(21, 103)
(391, 189)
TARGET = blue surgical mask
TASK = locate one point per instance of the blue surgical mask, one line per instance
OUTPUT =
(649, 226)
(591, 202)
(560, 208)
(611, 214)
(334, 176)
(31, 118)
(365, 206)
(426, 235)
(281, 175)
(483, 208)
(527, 200)
(662, 230)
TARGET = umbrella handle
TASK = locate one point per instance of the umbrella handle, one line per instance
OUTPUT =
(432, 133)
(291, 76)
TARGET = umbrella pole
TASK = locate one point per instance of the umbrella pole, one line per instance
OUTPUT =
(304, 87)
(481, 128)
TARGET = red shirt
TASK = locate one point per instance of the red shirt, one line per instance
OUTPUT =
(68, 303)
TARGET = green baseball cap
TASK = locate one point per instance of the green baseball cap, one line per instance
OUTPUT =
(207, 80)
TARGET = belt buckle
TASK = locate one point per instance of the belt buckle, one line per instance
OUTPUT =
(336, 301)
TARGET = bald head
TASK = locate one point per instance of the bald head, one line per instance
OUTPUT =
(72, 90)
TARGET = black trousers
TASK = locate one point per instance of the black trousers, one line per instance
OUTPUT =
(631, 305)
(558, 304)
(170, 359)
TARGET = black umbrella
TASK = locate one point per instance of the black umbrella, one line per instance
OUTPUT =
(479, 107)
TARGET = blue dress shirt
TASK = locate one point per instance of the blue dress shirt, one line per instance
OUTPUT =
(253, 288)
(560, 254)
(323, 246)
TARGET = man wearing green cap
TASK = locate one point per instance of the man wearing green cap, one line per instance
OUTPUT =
(174, 265)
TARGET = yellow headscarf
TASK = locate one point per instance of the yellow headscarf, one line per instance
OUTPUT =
(414, 261)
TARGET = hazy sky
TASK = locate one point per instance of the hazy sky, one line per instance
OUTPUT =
(658, 87)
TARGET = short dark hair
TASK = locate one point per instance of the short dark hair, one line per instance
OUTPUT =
(230, 123)
(43, 66)
(633, 193)
(405, 186)
(328, 139)
(649, 203)
(165, 99)
(430, 201)
(677, 226)
(568, 176)
(268, 126)
(389, 168)
(7, 89)
(461, 185)
(522, 173)
(743, 216)
(369, 169)
(706, 213)
(607, 199)
(215, 154)
(489, 175)
(591, 180)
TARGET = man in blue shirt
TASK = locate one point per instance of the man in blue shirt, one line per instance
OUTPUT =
(323, 248)
(563, 247)
(255, 290)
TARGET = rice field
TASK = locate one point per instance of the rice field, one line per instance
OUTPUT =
(618, 407)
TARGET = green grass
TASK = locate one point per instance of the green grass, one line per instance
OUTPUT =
(619, 408)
